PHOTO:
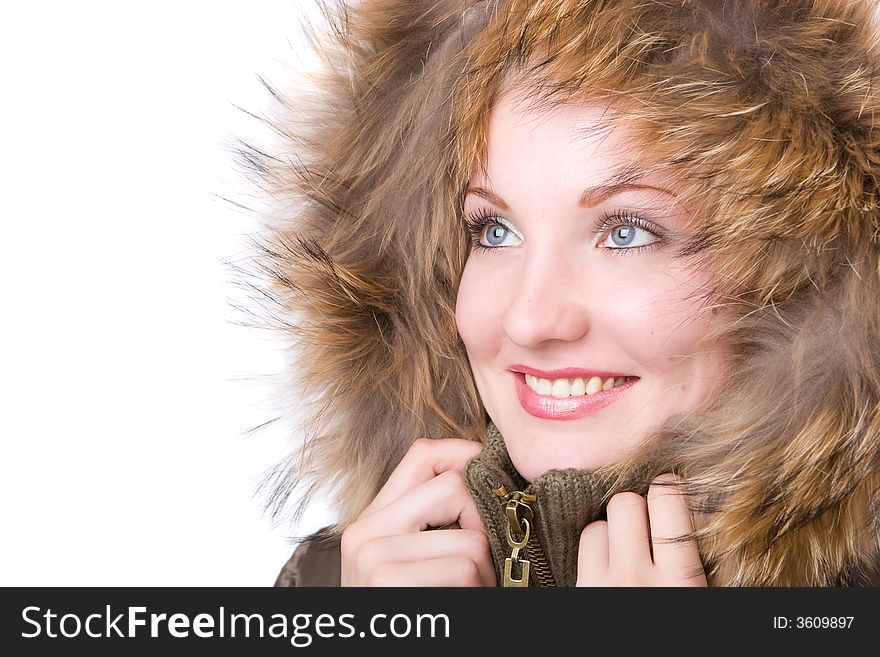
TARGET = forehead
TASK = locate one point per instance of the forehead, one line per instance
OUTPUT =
(520, 110)
(584, 144)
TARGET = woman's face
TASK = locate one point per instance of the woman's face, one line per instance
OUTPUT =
(571, 285)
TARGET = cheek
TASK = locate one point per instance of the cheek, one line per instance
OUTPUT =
(662, 322)
(477, 311)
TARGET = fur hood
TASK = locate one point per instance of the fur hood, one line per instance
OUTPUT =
(771, 112)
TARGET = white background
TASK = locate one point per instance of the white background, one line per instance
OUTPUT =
(127, 387)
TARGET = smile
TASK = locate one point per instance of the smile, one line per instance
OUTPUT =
(562, 388)
(569, 399)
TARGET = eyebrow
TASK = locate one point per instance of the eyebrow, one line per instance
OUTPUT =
(588, 198)
(489, 195)
(594, 195)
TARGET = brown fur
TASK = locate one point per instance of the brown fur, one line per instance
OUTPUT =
(768, 113)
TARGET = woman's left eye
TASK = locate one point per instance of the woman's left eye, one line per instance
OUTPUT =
(627, 233)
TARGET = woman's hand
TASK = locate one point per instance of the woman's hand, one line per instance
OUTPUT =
(618, 552)
(388, 546)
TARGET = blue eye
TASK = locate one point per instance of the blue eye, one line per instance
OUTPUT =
(628, 234)
(490, 232)
(494, 235)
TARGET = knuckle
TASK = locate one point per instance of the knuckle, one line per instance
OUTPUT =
(420, 450)
(467, 572)
(350, 540)
(369, 553)
(380, 575)
(478, 542)
(475, 446)
(452, 480)
(357, 563)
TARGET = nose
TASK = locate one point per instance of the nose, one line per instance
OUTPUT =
(549, 302)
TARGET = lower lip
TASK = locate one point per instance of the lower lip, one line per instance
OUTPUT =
(548, 407)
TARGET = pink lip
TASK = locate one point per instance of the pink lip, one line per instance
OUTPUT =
(547, 407)
(565, 372)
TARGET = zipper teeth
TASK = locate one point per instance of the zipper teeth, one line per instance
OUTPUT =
(540, 568)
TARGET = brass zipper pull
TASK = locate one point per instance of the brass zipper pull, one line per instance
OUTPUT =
(519, 520)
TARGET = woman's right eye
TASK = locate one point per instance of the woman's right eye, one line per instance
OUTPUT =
(489, 232)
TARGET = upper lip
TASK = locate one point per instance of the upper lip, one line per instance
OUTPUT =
(566, 372)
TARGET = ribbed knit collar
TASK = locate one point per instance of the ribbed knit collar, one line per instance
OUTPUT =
(567, 501)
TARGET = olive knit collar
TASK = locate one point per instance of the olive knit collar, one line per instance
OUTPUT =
(565, 502)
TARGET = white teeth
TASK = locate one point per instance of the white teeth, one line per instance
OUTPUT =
(562, 388)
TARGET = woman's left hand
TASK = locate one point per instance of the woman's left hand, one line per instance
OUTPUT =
(618, 552)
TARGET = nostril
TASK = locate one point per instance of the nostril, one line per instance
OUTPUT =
(530, 327)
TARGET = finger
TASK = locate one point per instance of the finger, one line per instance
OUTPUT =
(629, 536)
(444, 571)
(593, 554)
(429, 545)
(425, 459)
(434, 503)
(671, 520)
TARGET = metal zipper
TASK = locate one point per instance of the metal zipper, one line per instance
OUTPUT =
(521, 536)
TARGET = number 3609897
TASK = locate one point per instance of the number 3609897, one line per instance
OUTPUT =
(813, 622)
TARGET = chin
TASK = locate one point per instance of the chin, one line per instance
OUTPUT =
(546, 453)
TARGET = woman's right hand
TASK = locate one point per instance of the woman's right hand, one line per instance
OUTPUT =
(388, 546)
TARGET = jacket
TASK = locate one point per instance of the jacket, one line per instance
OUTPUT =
(777, 127)
(564, 503)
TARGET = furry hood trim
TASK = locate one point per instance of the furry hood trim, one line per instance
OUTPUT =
(769, 111)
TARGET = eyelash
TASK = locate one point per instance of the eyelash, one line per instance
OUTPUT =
(477, 220)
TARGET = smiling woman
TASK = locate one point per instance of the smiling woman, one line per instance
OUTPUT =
(556, 324)
(583, 293)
